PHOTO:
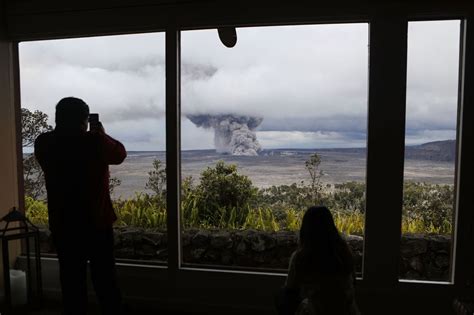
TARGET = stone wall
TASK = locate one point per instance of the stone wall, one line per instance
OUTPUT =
(423, 256)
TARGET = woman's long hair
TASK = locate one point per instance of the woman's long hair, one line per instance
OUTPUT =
(321, 247)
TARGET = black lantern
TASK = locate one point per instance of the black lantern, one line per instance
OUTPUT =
(18, 227)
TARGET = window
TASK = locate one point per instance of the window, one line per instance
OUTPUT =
(122, 79)
(431, 150)
(270, 127)
(380, 270)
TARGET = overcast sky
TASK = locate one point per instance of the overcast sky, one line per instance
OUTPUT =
(309, 83)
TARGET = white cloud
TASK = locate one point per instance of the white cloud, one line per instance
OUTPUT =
(432, 74)
(308, 140)
(308, 82)
(299, 71)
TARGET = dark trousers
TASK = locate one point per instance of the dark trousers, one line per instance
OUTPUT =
(74, 251)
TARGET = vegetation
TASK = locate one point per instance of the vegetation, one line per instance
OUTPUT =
(32, 125)
(225, 199)
(157, 179)
(428, 207)
(36, 211)
(223, 195)
(315, 186)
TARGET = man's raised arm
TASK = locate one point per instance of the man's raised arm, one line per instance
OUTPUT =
(114, 151)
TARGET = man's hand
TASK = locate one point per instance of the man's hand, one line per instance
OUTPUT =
(98, 128)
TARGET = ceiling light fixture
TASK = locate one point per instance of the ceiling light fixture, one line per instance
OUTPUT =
(228, 36)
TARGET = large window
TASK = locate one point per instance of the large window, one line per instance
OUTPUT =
(431, 150)
(122, 79)
(265, 129)
(270, 127)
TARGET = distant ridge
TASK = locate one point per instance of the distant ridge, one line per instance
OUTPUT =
(444, 150)
(434, 151)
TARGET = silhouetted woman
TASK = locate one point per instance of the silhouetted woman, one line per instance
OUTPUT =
(322, 269)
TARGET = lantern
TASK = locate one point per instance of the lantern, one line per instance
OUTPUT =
(17, 227)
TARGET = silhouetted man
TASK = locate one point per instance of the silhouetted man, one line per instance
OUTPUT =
(76, 167)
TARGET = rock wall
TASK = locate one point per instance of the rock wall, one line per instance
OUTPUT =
(423, 256)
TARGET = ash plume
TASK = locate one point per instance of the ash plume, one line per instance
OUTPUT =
(233, 134)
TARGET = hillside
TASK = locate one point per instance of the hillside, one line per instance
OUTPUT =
(440, 151)
(433, 151)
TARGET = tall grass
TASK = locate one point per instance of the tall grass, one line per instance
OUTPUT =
(141, 211)
(145, 212)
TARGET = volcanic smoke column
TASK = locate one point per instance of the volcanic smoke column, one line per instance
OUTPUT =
(232, 134)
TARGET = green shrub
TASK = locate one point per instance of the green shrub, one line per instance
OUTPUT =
(225, 199)
(349, 196)
(222, 190)
(430, 205)
(36, 211)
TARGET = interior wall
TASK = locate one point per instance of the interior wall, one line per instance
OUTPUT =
(8, 146)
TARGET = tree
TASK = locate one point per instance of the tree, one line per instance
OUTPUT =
(32, 125)
(312, 166)
(157, 179)
(223, 190)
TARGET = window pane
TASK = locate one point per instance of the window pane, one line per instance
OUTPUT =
(122, 79)
(431, 118)
(270, 127)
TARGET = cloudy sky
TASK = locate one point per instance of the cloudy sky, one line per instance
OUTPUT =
(309, 83)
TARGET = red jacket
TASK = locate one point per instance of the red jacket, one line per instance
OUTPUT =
(76, 168)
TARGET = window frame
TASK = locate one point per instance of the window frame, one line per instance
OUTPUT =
(452, 252)
(380, 263)
(244, 269)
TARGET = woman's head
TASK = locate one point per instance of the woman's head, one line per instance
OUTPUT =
(321, 243)
(317, 227)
